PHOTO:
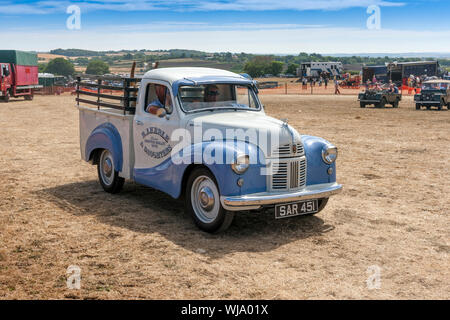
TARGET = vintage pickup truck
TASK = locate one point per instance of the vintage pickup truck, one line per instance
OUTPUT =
(434, 93)
(202, 134)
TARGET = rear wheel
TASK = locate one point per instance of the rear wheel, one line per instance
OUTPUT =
(107, 175)
(428, 107)
(202, 202)
(418, 106)
(29, 98)
(441, 105)
(362, 104)
(395, 104)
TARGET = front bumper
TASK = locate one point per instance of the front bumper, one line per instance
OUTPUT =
(428, 102)
(369, 101)
(258, 200)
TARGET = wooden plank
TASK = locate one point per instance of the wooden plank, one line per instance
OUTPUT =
(103, 86)
(105, 96)
(103, 104)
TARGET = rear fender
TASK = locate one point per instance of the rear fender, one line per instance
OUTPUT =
(106, 136)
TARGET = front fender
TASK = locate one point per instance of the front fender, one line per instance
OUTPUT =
(168, 176)
(217, 156)
(106, 136)
(317, 169)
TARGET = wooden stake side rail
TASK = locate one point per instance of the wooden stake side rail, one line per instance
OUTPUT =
(127, 99)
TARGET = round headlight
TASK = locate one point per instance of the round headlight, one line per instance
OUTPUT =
(241, 164)
(329, 155)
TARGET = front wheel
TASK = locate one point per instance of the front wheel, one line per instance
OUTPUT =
(107, 175)
(6, 97)
(395, 104)
(362, 104)
(202, 202)
(418, 106)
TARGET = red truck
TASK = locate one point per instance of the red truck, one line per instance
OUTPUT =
(18, 74)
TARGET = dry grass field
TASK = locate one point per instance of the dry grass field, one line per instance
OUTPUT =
(394, 213)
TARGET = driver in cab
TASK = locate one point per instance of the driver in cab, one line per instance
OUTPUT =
(157, 106)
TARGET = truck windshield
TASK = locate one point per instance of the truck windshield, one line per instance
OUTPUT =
(434, 86)
(217, 96)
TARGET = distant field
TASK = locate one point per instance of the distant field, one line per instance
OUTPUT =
(46, 57)
(195, 63)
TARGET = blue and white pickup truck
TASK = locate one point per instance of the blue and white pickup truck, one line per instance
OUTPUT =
(202, 134)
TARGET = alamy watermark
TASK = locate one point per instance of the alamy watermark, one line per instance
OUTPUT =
(374, 20)
(74, 277)
(374, 277)
(73, 22)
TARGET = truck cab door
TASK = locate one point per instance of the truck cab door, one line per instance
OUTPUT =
(152, 134)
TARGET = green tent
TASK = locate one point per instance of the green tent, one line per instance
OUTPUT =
(21, 58)
(46, 79)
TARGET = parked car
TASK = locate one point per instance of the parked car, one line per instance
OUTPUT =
(434, 93)
(379, 98)
(202, 143)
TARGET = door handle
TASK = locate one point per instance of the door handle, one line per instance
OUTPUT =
(139, 123)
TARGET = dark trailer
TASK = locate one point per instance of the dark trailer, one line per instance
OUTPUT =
(398, 71)
(380, 72)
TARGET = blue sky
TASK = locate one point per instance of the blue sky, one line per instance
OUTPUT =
(256, 26)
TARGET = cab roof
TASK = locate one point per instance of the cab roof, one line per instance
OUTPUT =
(178, 77)
(437, 81)
(175, 74)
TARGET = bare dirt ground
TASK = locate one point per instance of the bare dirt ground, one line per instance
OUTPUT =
(393, 213)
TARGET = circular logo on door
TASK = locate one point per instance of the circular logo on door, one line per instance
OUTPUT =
(155, 143)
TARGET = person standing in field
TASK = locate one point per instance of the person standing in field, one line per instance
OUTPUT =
(336, 86)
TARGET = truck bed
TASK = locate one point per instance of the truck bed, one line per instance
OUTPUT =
(91, 118)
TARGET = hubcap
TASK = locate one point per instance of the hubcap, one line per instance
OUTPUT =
(204, 199)
(106, 167)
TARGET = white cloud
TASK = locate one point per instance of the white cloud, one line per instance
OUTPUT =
(289, 40)
(42, 7)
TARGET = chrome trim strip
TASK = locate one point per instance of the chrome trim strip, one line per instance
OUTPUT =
(256, 200)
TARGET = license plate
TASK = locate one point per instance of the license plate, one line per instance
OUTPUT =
(296, 209)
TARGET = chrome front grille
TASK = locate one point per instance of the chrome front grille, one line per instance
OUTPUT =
(288, 150)
(289, 174)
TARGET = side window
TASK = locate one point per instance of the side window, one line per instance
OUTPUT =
(157, 97)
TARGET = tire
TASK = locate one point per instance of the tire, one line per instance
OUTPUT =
(6, 97)
(395, 104)
(362, 104)
(441, 105)
(428, 107)
(107, 175)
(29, 98)
(202, 202)
(418, 106)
